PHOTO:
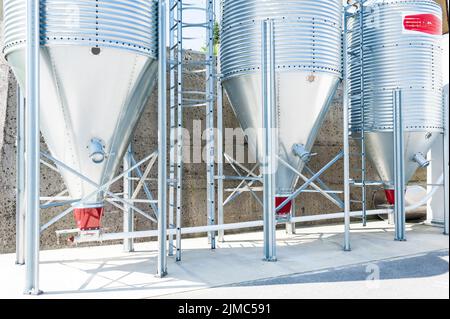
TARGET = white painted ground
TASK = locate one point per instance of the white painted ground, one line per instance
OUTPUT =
(107, 272)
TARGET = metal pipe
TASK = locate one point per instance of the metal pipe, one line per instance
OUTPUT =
(260, 189)
(241, 178)
(220, 171)
(128, 216)
(446, 161)
(162, 142)
(346, 136)
(232, 226)
(32, 147)
(399, 168)
(290, 225)
(268, 116)
(20, 179)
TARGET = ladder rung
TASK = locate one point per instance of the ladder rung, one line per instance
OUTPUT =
(193, 63)
(194, 71)
(196, 105)
(194, 92)
(196, 25)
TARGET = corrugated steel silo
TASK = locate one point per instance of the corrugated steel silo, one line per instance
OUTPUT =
(307, 36)
(401, 50)
(98, 64)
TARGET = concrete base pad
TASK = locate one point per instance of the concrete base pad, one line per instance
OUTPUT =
(108, 272)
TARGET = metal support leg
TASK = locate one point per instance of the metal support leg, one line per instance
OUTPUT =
(290, 226)
(268, 165)
(162, 144)
(220, 172)
(32, 147)
(128, 216)
(346, 142)
(446, 161)
(399, 168)
(20, 179)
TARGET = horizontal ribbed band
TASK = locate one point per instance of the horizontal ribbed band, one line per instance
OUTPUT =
(130, 25)
(395, 59)
(307, 35)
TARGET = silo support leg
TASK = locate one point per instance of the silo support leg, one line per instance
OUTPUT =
(128, 216)
(446, 162)
(32, 147)
(399, 168)
(162, 144)
(290, 226)
(268, 165)
(20, 180)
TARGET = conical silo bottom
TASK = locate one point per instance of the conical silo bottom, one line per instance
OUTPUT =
(89, 96)
(302, 102)
(380, 149)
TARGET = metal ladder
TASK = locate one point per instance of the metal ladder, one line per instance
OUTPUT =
(181, 98)
(358, 94)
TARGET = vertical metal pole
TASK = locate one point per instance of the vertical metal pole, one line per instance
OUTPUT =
(210, 87)
(20, 179)
(220, 181)
(446, 161)
(162, 143)
(268, 165)
(32, 147)
(128, 216)
(399, 168)
(346, 142)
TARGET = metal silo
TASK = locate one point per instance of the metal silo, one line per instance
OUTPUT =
(98, 64)
(307, 39)
(400, 42)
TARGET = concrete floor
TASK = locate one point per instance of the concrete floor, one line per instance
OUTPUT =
(311, 265)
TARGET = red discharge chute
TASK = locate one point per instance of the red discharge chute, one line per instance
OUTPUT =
(286, 209)
(88, 218)
(390, 196)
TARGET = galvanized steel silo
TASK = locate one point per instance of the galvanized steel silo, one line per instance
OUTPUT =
(308, 68)
(401, 50)
(98, 62)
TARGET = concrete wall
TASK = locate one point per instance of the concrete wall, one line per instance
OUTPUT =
(328, 144)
